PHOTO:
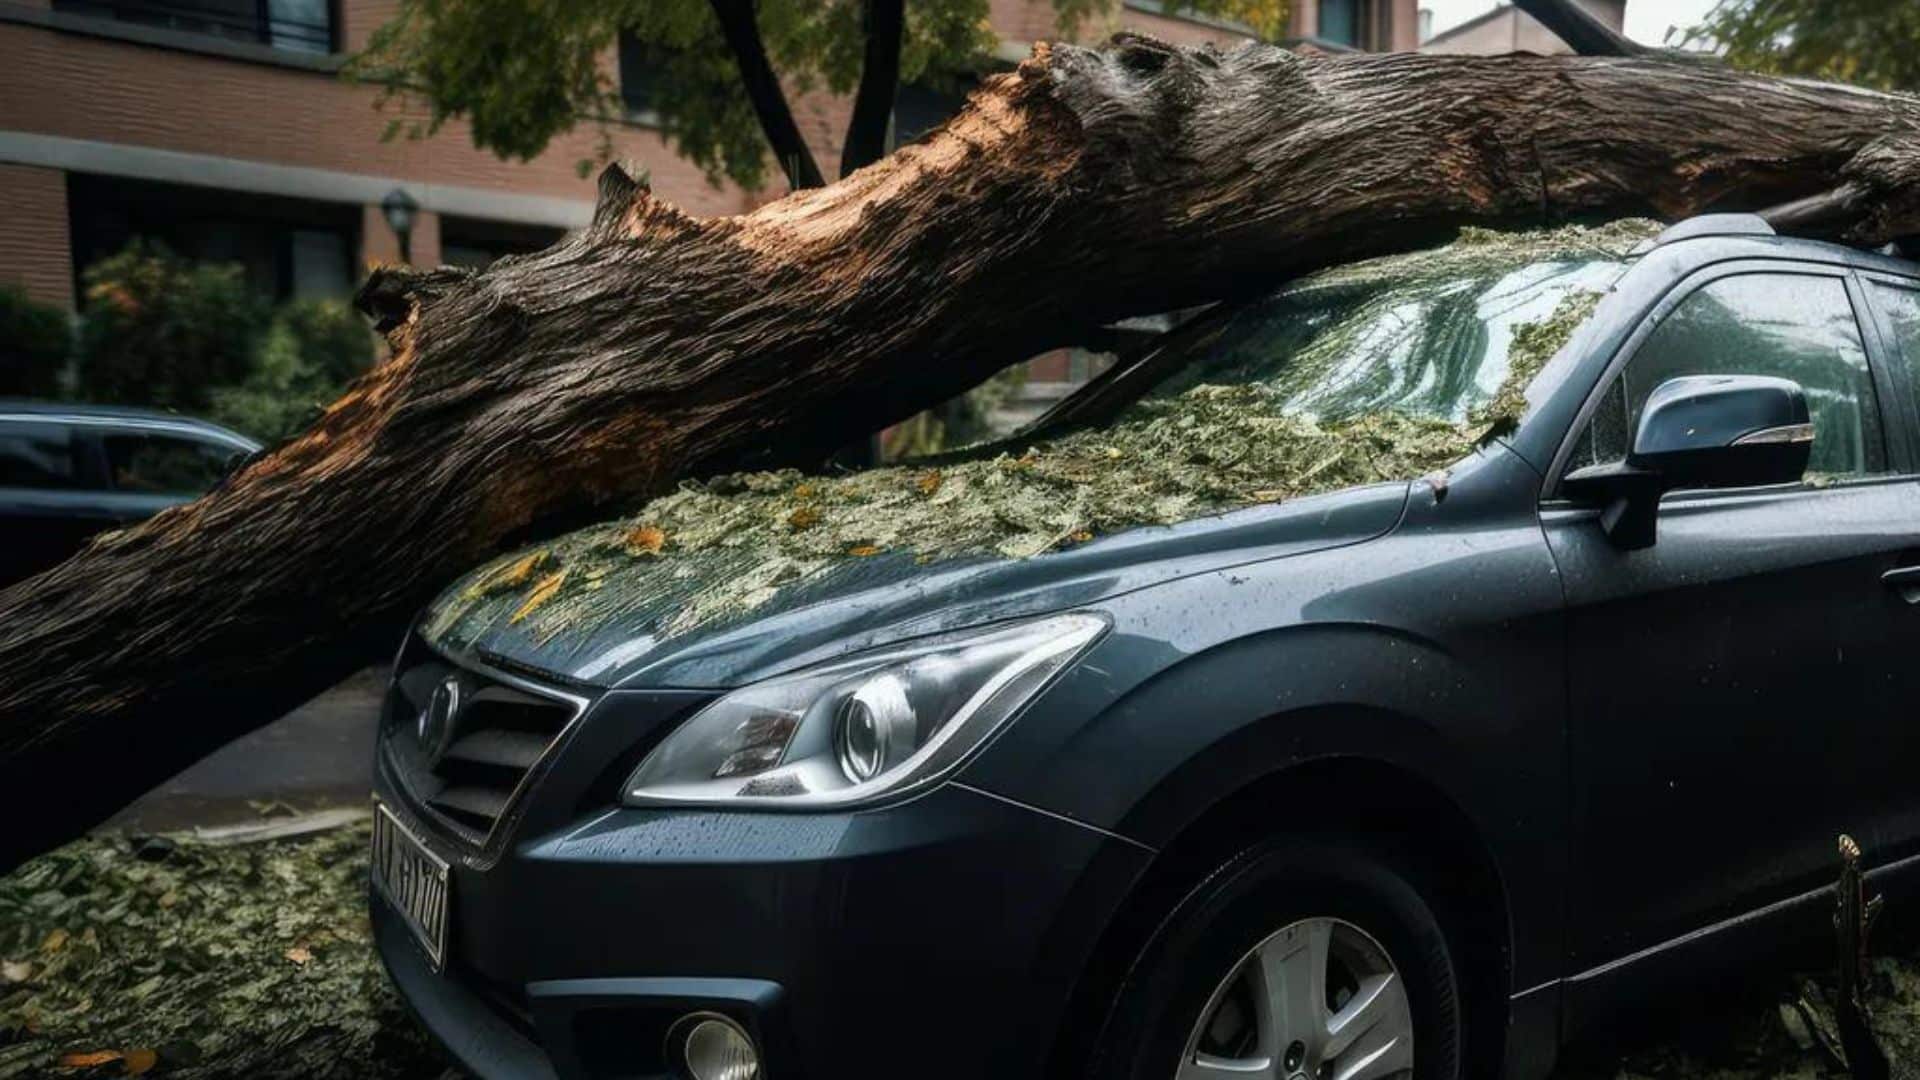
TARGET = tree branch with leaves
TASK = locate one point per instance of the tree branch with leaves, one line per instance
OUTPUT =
(719, 74)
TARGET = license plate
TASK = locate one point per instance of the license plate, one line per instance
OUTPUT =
(414, 881)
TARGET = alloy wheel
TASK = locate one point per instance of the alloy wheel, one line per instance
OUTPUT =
(1319, 999)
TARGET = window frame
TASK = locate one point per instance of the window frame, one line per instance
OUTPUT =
(198, 444)
(90, 454)
(1896, 424)
(85, 471)
(262, 23)
(1903, 371)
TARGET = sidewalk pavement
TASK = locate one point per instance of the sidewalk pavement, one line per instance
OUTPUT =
(317, 757)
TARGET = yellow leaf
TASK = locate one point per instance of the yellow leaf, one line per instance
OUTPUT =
(300, 954)
(646, 540)
(508, 576)
(541, 593)
(804, 518)
(929, 481)
(77, 1060)
(139, 1061)
(863, 550)
(56, 941)
(520, 571)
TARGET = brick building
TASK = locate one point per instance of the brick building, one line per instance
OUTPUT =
(222, 128)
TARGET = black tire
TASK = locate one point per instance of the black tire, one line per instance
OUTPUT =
(1254, 895)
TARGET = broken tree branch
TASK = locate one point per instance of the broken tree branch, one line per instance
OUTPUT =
(1084, 187)
(1853, 918)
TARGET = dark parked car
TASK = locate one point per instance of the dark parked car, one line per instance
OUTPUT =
(1421, 778)
(69, 471)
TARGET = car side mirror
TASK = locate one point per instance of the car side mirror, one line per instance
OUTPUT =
(1700, 431)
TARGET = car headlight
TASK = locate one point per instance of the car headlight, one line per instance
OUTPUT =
(857, 729)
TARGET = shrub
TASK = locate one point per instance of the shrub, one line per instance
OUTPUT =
(304, 359)
(159, 330)
(35, 341)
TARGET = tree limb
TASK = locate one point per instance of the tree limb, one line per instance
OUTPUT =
(1585, 34)
(1083, 187)
(1853, 917)
(742, 32)
(879, 81)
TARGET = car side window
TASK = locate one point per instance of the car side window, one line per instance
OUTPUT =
(37, 455)
(165, 464)
(1794, 326)
(1901, 306)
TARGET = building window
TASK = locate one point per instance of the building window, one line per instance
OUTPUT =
(286, 247)
(295, 25)
(640, 63)
(1346, 22)
(474, 244)
(919, 108)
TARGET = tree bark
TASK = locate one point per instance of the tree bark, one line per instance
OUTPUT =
(1081, 188)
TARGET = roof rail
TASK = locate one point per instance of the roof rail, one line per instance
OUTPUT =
(1715, 225)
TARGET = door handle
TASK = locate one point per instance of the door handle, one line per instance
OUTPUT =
(1904, 580)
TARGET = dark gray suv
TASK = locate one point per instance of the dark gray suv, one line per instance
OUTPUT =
(1395, 675)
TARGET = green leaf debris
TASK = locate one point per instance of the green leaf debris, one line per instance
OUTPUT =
(244, 961)
(720, 549)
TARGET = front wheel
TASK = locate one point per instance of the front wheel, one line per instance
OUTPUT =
(1298, 960)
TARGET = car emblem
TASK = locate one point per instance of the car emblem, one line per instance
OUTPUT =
(435, 726)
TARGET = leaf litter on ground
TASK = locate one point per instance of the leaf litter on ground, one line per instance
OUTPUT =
(256, 960)
(201, 961)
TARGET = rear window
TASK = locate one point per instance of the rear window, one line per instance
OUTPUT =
(37, 455)
(166, 464)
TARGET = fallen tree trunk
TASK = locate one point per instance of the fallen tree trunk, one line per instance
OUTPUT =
(1081, 188)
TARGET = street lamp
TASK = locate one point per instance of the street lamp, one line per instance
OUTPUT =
(400, 208)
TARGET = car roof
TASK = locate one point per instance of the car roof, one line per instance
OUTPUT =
(54, 412)
(1714, 237)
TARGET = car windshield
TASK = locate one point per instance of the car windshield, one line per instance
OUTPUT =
(1427, 335)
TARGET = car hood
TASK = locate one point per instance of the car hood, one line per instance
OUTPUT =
(623, 609)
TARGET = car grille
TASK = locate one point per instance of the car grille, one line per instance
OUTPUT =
(465, 741)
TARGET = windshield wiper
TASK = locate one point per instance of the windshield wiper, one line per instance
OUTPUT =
(1137, 370)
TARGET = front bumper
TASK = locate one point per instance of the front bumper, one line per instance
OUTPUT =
(939, 937)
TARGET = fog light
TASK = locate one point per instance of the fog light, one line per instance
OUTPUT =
(709, 1046)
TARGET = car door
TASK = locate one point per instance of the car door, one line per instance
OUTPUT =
(1894, 302)
(49, 502)
(1735, 690)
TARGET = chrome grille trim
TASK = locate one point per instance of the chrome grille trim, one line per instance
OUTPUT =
(500, 687)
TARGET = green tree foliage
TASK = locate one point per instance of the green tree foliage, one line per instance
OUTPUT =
(523, 71)
(160, 330)
(35, 340)
(1870, 42)
(303, 360)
